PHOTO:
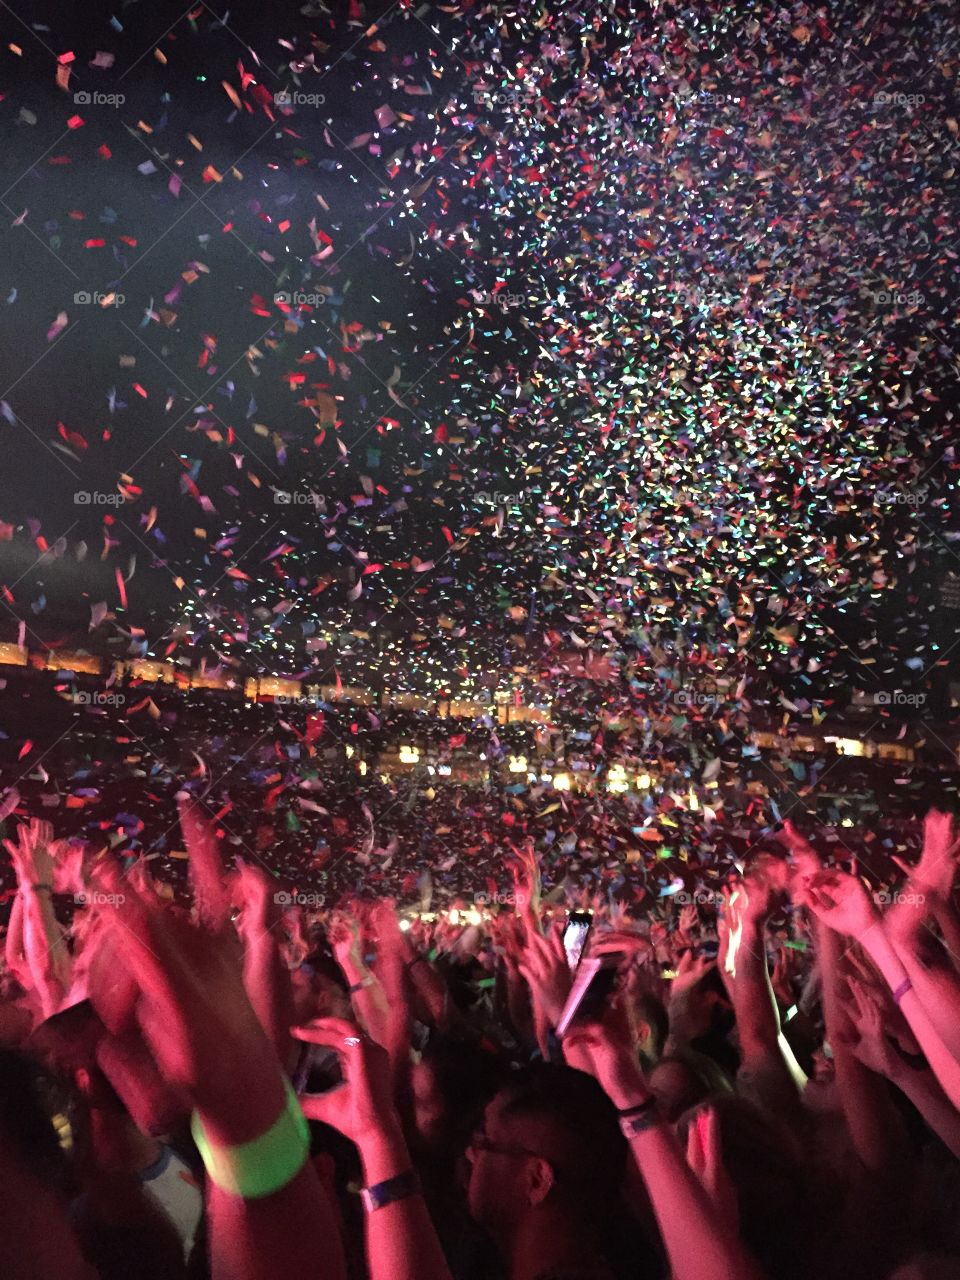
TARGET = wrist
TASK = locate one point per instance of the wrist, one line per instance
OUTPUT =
(383, 1151)
(259, 1166)
(354, 970)
(631, 1099)
(237, 1105)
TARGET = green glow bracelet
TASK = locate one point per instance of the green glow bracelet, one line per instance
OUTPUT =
(262, 1166)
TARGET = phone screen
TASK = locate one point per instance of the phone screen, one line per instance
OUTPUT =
(575, 936)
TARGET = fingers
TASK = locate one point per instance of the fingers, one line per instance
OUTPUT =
(334, 1033)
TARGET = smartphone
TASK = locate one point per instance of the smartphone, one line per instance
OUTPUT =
(317, 1071)
(575, 936)
(592, 987)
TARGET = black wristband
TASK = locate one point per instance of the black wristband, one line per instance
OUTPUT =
(638, 1109)
(638, 1119)
(401, 1187)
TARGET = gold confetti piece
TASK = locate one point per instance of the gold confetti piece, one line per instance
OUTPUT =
(231, 94)
(194, 142)
(160, 56)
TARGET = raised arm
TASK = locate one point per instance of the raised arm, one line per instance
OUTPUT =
(43, 941)
(929, 967)
(208, 880)
(875, 1127)
(265, 975)
(841, 901)
(401, 1243)
(874, 1049)
(269, 1218)
(767, 1060)
(701, 1243)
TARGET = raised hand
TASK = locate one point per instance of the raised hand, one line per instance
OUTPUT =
(691, 970)
(730, 928)
(805, 859)
(866, 1013)
(68, 872)
(688, 925)
(842, 903)
(937, 868)
(758, 893)
(205, 866)
(526, 882)
(346, 941)
(255, 892)
(609, 1044)
(626, 941)
(544, 966)
(192, 1007)
(362, 1106)
(33, 852)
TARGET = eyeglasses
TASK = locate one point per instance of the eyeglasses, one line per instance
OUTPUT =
(480, 1142)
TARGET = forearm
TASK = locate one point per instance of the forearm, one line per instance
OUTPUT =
(758, 1021)
(519, 1010)
(698, 1243)
(873, 1122)
(267, 984)
(944, 1066)
(938, 991)
(291, 1232)
(13, 951)
(430, 987)
(400, 1238)
(767, 1056)
(949, 922)
(924, 1092)
(368, 999)
(391, 970)
(46, 952)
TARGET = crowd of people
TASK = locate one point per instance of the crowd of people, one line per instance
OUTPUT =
(758, 1080)
(318, 790)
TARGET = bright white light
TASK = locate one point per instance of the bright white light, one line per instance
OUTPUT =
(561, 781)
(404, 926)
(409, 754)
(518, 764)
(617, 779)
(848, 746)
